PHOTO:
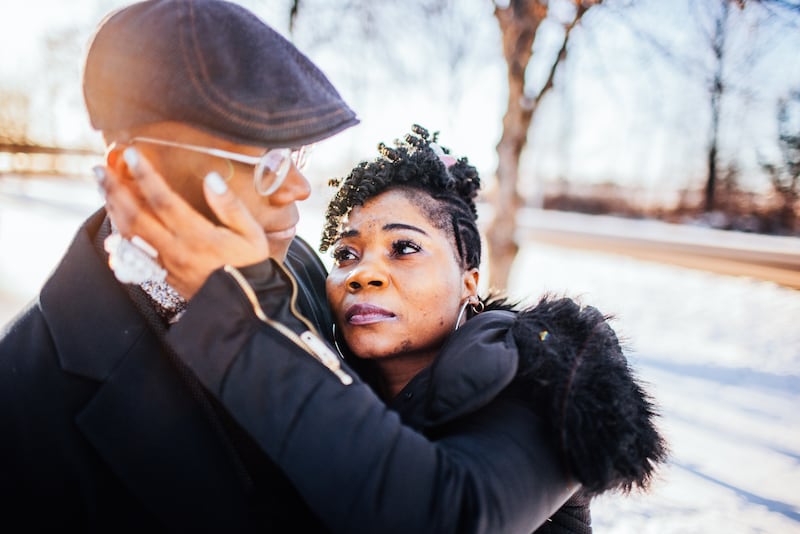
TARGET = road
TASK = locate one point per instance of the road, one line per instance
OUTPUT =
(773, 258)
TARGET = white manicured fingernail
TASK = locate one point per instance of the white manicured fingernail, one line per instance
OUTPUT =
(215, 182)
(99, 174)
(131, 157)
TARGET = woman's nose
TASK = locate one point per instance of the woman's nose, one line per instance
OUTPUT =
(366, 275)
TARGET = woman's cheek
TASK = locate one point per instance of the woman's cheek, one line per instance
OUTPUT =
(334, 285)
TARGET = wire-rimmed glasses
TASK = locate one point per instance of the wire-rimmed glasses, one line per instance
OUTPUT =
(269, 169)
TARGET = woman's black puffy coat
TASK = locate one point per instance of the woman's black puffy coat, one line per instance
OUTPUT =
(519, 410)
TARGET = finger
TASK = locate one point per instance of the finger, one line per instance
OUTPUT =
(229, 209)
(131, 216)
(161, 199)
(109, 178)
(122, 203)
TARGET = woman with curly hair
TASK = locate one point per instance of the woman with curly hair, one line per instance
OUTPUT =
(445, 411)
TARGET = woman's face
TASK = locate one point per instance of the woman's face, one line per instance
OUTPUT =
(396, 286)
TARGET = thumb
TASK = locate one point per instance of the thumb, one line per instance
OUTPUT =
(229, 209)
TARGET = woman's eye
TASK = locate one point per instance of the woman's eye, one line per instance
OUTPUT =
(343, 254)
(402, 248)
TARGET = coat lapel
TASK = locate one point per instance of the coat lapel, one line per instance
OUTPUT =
(143, 420)
(149, 429)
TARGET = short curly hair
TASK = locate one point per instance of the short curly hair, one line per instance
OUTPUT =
(446, 194)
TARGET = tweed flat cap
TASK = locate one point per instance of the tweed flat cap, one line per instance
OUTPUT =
(211, 64)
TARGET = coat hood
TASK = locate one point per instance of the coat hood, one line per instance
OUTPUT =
(567, 362)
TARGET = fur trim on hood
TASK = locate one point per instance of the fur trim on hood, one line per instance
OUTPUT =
(572, 366)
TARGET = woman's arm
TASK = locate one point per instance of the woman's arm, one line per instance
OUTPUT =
(357, 465)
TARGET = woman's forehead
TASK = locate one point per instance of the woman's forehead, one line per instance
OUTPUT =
(391, 207)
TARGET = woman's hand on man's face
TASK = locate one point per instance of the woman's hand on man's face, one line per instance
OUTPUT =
(189, 246)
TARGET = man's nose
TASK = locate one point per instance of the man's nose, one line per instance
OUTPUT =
(293, 189)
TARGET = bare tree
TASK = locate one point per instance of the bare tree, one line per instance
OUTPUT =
(718, 85)
(519, 21)
(14, 118)
(785, 176)
(725, 56)
(717, 40)
(363, 24)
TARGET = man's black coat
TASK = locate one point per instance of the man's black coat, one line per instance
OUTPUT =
(102, 429)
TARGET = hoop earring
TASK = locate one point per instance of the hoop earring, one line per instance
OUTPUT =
(476, 308)
(335, 342)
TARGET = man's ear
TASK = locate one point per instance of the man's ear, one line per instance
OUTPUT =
(114, 159)
(116, 142)
(113, 153)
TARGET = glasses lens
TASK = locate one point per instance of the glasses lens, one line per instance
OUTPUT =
(271, 171)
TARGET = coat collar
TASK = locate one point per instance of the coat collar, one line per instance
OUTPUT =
(143, 419)
(81, 304)
(478, 361)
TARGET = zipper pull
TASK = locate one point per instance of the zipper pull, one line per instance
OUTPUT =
(325, 355)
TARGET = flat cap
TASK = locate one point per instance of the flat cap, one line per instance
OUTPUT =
(211, 64)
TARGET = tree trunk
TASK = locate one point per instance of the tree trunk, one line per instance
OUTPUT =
(518, 23)
(717, 90)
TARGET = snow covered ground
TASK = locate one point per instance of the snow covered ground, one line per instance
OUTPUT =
(719, 354)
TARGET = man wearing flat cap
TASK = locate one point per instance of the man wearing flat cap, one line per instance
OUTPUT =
(102, 428)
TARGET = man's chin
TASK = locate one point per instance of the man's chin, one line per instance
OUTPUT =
(279, 243)
(278, 248)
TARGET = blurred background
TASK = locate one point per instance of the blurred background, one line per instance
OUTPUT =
(641, 155)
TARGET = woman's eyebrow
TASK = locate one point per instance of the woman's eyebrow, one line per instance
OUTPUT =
(401, 226)
(348, 233)
(386, 228)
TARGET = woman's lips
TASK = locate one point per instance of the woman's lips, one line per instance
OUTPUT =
(361, 314)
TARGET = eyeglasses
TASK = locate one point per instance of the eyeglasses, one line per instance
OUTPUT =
(270, 169)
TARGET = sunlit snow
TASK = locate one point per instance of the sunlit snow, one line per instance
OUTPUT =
(719, 354)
